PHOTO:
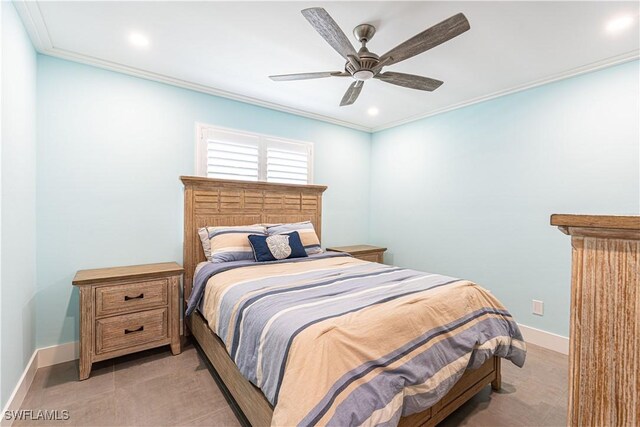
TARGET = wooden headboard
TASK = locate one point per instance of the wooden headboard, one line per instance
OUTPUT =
(216, 202)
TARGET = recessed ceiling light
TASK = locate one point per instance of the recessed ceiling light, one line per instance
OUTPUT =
(139, 40)
(619, 23)
(373, 111)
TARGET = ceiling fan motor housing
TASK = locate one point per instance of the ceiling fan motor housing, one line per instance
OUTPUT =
(368, 61)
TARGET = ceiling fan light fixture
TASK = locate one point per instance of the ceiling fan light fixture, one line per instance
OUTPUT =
(363, 75)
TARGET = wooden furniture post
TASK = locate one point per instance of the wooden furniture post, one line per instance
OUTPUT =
(604, 352)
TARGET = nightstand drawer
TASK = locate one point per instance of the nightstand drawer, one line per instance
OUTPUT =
(130, 297)
(370, 257)
(130, 330)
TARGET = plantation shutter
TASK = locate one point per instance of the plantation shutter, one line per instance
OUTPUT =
(287, 162)
(230, 154)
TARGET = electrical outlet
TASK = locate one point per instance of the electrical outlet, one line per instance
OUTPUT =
(537, 307)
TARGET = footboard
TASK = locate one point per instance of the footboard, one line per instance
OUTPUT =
(470, 384)
(259, 412)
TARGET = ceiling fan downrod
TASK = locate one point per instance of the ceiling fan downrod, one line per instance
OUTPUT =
(363, 67)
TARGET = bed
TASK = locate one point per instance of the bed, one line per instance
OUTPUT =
(212, 202)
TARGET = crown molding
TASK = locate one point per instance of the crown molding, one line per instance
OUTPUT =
(594, 66)
(148, 75)
(36, 27)
(33, 21)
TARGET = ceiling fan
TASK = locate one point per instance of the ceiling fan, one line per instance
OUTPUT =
(364, 65)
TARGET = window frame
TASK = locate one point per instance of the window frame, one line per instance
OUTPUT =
(263, 144)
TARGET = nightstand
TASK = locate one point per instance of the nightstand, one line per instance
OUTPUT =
(127, 309)
(363, 252)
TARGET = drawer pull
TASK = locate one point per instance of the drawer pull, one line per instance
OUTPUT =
(127, 298)
(130, 331)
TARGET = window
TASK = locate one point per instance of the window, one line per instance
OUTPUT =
(232, 154)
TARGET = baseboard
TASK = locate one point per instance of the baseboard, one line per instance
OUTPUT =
(19, 393)
(61, 353)
(545, 339)
(41, 357)
(47, 356)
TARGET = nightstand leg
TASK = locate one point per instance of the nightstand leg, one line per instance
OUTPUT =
(175, 348)
(85, 369)
(86, 332)
(174, 319)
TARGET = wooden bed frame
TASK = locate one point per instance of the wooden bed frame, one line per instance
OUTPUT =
(216, 202)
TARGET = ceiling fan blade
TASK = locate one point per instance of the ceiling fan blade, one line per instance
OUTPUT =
(352, 93)
(410, 81)
(429, 38)
(329, 30)
(307, 76)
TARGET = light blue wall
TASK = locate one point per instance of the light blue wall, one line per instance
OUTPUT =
(466, 193)
(18, 163)
(469, 193)
(110, 150)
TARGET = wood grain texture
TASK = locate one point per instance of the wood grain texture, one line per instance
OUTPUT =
(469, 385)
(220, 202)
(357, 249)
(471, 377)
(174, 321)
(127, 309)
(377, 257)
(130, 330)
(206, 183)
(324, 24)
(428, 39)
(604, 233)
(629, 222)
(604, 354)
(352, 93)
(249, 398)
(496, 384)
(410, 80)
(130, 297)
(307, 76)
(209, 202)
(363, 252)
(100, 275)
(86, 332)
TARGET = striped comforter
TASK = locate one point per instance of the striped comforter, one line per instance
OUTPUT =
(333, 340)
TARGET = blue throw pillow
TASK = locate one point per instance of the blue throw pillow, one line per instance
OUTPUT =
(280, 246)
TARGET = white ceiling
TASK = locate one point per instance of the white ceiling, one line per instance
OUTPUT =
(230, 48)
